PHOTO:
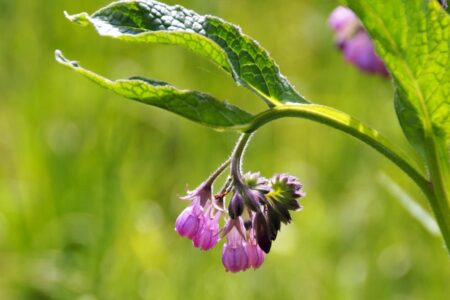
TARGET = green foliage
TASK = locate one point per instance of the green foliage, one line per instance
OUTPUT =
(418, 33)
(414, 40)
(151, 21)
(148, 21)
(199, 107)
(89, 184)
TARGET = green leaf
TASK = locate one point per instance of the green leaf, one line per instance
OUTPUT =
(413, 38)
(149, 21)
(198, 107)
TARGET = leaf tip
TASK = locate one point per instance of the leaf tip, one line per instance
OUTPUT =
(59, 56)
(64, 61)
(80, 19)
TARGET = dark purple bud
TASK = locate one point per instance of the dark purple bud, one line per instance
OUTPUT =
(254, 199)
(254, 191)
(236, 206)
(282, 211)
(248, 224)
(273, 222)
(262, 232)
(443, 3)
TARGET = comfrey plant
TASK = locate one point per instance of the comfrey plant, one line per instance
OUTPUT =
(412, 40)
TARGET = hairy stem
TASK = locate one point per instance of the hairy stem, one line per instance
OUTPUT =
(217, 172)
(236, 158)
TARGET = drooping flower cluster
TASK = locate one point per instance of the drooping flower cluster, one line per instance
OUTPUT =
(354, 42)
(252, 219)
(200, 221)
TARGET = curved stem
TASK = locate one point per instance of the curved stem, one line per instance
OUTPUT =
(236, 158)
(435, 190)
(226, 186)
(343, 122)
(217, 172)
(371, 137)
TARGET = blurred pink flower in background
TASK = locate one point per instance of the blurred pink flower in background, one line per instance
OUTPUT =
(354, 42)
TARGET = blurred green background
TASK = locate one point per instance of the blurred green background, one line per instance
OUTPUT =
(89, 182)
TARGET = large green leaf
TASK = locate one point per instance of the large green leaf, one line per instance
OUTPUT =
(149, 21)
(196, 106)
(413, 38)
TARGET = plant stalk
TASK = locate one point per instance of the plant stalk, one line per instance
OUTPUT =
(440, 185)
(236, 157)
(434, 190)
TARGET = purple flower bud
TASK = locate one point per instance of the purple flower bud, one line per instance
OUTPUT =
(234, 254)
(360, 51)
(208, 236)
(255, 254)
(354, 41)
(189, 221)
(254, 199)
(342, 18)
(236, 206)
(262, 232)
(254, 193)
(256, 182)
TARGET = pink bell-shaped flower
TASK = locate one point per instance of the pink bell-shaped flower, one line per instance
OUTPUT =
(189, 221)
(234, 254)
(208, 235)
(254, 252)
